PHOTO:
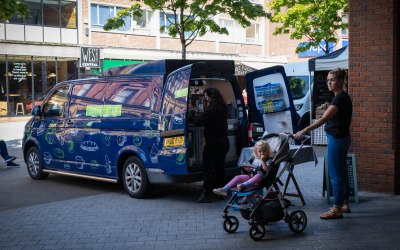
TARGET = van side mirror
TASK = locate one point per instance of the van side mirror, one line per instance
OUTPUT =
(36, 111)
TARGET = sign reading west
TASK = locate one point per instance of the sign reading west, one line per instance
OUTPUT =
(90, 57)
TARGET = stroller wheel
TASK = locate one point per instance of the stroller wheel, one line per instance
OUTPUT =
(231, 224)
(257, 232)
(297, 221)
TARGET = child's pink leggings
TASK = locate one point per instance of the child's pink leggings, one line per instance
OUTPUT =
(238, 179)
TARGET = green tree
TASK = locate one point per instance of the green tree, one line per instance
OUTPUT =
(191, 19)
(10, 8)
(317, 20)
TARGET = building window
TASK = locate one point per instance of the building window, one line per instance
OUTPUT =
(100, 14)
(142, 22)
(253, 33)
(256, 2)
(68, 14)
(230, 26)
(166, 20)
(51, 14)
(35, 12)
(345, 19)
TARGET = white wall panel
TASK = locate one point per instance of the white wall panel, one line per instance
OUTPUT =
(52, 35)
(34, 33)
(69, 36)
(2, 31)
(15, 32)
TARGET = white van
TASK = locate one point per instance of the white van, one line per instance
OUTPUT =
(300, 81)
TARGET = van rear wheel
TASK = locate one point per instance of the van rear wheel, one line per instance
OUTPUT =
(134, 178)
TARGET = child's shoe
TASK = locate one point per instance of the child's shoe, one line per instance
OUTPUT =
(220, 191)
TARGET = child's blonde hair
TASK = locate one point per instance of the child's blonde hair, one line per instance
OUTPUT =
(262, 145)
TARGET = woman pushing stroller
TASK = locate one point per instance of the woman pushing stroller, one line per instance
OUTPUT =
(263, 156)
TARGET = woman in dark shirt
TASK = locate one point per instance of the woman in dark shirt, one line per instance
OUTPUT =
(214, 120)
(338, 119)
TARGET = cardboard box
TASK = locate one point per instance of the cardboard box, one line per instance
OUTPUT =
(3, 108)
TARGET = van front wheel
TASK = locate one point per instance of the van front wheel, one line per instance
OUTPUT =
(34, 164)
(134, 178)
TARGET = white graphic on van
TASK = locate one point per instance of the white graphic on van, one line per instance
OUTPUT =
(59, 153)
(151, 133)
(154, 154)
(74, 131)
(88, 127)
(107, 164)
(121, 138)
(80, 162)
(67, 166)
(62, 140)
(47, 157)
(106, 139)
(89, 146)
(137, 140)
(149, 125)
(178, 120)
(40, 129)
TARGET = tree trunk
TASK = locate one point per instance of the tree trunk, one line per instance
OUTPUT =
(183, 50)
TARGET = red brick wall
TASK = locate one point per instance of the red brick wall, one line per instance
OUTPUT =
(373, 85)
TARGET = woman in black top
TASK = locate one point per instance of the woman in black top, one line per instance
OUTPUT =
(214, 120)
(338, 119)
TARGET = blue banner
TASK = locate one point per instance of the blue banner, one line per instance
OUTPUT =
(315, 51)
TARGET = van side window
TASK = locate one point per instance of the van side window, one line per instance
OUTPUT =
(132, 94)
(175, 101)
(85, 98)
(56, 104)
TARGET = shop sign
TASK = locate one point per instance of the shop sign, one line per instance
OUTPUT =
(315, 51)
(90, 57)
(19, 71)
(241, 69)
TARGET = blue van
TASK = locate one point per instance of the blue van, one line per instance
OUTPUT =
(134, 125)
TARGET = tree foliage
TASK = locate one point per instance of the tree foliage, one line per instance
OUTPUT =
(317, 20)
(10, 8)
(192, 19)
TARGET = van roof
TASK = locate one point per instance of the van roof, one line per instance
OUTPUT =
(167, 66)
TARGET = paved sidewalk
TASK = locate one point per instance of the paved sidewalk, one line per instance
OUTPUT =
(171, 220)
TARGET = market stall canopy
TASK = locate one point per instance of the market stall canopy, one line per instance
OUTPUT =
(336, 59)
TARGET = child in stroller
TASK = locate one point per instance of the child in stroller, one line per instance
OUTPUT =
(251, 175)
(266, 203)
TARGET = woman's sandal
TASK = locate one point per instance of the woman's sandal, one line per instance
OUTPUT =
(344, 210)
(331, 214)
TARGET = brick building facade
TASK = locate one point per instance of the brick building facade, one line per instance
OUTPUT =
(374, 87)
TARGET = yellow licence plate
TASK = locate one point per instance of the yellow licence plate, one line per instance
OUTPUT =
(174, 141)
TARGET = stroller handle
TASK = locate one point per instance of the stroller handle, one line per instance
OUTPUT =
(303, 138)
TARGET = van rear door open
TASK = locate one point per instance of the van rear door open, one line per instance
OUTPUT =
(172, 156)
(270, 101)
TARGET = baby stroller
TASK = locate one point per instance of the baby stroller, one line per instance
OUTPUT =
(260, 207)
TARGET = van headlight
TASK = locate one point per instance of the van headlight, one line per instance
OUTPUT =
(298, 106)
